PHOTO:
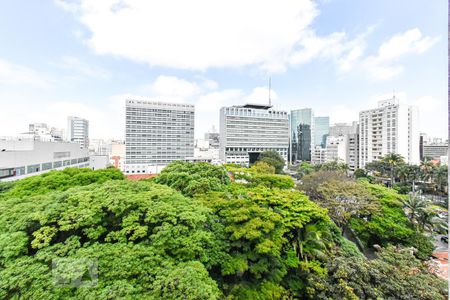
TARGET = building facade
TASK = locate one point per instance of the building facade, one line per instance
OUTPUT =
(321, 130)
(156, 134)
(390, 128)
(78, 131)
(248, 130)
(301, 135)
(22, 157)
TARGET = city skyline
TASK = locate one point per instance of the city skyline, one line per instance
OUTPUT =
(338, 58)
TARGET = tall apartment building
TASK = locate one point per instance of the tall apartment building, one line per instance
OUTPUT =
(156, 134)
(390, 128)
(302, 134)
(321, 130)
(248, 130)
(78, 131)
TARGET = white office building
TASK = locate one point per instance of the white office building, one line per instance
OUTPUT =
(78, 131)
(157, 134)
(23, 157)
(248, 130)
(390, 128)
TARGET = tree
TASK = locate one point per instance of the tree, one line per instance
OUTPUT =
(427, 168)
(261, 167)
(334, 165)
(140, 234)
(304, 169)
(360, 173)
(274, 159)
(393, 160)
(440, 177)
(311, 182)
(395, 274)
(344, 200)
(193, 178)
(414, 207)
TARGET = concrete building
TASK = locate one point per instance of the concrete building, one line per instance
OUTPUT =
(248, 130)
(213, 139)
(302, 134)
(78, 131)
(156, 134)
(336, 149)
(318, 155)
(117, 157)
(321, 130)
(353, 151)
(99, 161)
(340, 129)
(203, 151)
(390, 128)
(42, 132)
(23, 157)
(434, 151)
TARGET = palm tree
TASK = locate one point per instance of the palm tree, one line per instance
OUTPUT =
(414, 206)
(403, 173)
(311, 243)
(440, 177)
(427, 167)
(413, 175)
(393, 160)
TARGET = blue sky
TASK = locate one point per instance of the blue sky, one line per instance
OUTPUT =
(84, 58)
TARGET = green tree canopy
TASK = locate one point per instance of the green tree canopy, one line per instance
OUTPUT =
(274, 159)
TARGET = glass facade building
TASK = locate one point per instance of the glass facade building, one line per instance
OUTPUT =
(321, 131)
(302, 134)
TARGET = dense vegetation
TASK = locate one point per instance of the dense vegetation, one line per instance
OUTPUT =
(190, 233)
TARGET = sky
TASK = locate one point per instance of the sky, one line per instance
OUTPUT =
(86, 57)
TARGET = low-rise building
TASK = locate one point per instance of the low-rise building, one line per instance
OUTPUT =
(23, 157)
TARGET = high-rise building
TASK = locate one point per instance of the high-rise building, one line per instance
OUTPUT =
(78, 131)
(340, 129)
(156, 134)
(390, 128)
(248, 130)
(321, 130)
(302, 134)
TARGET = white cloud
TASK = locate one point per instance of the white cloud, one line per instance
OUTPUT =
(17, 75)
(76, 65)
(197, 34)
(261, 95)
(385, 64)
(171, 86)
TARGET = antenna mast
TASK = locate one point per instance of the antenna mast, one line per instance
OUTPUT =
(270, 101)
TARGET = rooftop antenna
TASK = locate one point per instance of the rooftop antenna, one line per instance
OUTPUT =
(393, 92)
(270, 101)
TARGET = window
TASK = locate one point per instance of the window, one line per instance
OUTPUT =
(33, 168)
(57, 164)
(46, 166)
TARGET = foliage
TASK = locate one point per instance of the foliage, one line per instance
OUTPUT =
(192, 178)
(395, 274)
(261, 167)
(360, 173)
(257, 239)
(304, 169)
(60, 181)
(140, 233)
(345, 199)
(332, 166)
(310, 183)
(390, 224)
(270, 232)
(273, 159)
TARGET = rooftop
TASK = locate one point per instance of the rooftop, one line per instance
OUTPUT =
(257, 106)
